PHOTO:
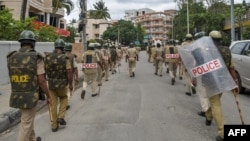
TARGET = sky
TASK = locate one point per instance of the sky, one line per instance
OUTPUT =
(117, 7)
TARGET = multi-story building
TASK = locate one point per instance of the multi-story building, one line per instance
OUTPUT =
(156, 24)
(41, 9)
(133, 13)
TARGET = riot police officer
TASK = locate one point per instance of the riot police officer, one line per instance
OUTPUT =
(215, 109)
(27, 64)
(100, 72)
(59, 74)
(106, 61)
(90, 63)
(188, 81)
(73, 64)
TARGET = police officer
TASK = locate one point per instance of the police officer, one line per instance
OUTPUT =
(159, 58)
(149, 52)
(73, 64)
(90, 64)
(119, 55)
(200, 87)
(188, 81)
(215, 109)
(172, 59)
(113, 58)
(100, 72)
(59, 74)
(106, 61)
(152, 50)
(26, 72)
(131, 59)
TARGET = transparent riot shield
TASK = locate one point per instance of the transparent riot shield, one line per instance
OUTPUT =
(202, 59)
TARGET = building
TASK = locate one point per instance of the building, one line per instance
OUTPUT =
(156, 24)
(41, 9)
(133, 13)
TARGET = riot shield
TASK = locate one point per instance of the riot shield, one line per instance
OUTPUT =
(202, 59)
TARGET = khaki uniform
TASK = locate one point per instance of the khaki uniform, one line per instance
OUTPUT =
(90, 74)
(172, 59)
(132, 57)
(26, 128)
(159, 59)
(215, 109)
(152, 55)
(73, 64)
(149, 53)
(119, 56)
(106, 62)
(99, 68)
(187, 77)
(58, 92)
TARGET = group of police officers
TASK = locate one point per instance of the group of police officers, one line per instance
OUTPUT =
(56, 74)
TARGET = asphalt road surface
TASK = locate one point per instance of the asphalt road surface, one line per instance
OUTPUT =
(143, 108)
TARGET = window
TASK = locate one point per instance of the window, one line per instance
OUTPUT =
(96, 26)
(238, 47)
(2, 7)
(96, 35)
(143, 12)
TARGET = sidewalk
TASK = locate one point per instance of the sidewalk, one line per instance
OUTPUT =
(11, 116)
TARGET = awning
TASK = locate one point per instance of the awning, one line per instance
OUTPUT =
(62, 32)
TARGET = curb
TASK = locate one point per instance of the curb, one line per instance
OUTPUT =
(13, 117)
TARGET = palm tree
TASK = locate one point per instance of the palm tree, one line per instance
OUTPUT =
(68, 5)
(100, 12)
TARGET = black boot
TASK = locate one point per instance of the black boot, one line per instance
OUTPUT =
(172, 81)
(219, 138)
(93, 95)
(202, 114)
(38, 139)
(61, 121)
(83, 94)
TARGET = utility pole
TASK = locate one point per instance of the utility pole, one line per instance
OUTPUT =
(232, 21)
(187, 18)
(83, 5)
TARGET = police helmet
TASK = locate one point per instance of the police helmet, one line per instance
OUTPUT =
(98, 45)
(131, 45)
(215, 34)
(199, 35)
(59, 43)
(171, 42)
(27, 36)
(189, 36)
(68, 47)
(92, 45)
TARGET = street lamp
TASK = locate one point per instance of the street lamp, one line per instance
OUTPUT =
(232, 21)
(187, 18)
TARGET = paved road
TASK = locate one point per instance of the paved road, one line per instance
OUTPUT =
(144, 108)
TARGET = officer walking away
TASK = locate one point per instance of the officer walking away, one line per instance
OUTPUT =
(202, 93)
(159, 58)
(90, 64)
(106, 61)
(100, 72)
(26, 73)
(113, 58)
(131, 59)
(74, 72)
(59, 74)
(215, 109)
(172, 59)
(188, 81)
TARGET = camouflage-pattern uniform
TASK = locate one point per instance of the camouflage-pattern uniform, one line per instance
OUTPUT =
(57, 66)
(113, 58)
(25, 65)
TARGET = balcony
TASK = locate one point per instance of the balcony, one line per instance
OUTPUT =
(37, 4)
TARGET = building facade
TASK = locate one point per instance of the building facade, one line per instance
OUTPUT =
(133, 13)
(41, 9)
(156, 24)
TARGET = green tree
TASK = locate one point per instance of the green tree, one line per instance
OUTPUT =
(128, 32)
(246, 33)
(240, 15)
(72, 36)
(100, 12)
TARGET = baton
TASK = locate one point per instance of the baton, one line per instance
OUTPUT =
(50, 113)
(99, 90)
(238, 107)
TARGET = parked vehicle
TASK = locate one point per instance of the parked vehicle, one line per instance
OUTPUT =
(241, 58)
